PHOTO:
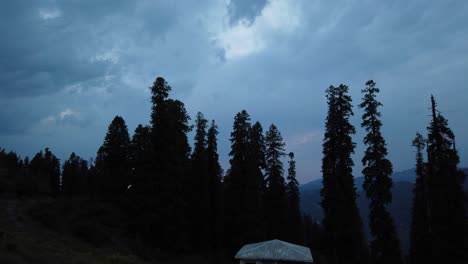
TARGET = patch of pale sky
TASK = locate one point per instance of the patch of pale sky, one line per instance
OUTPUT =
(47, 13)
(246, 38)
(304, 138)
(112, 55)
(67, 113)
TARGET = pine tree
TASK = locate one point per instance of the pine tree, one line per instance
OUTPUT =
(419, 251)
(214, 168)
(74, 176)
(242, 217)
(10, 168)
(140, 158)
(84, 177)
(112, 160)
(344, 237)
(446, 198)
(295, 226)
(53, 170)
(385, 245)
(215, 173)
(100, 173)
(197, 188)
(37, 172)
(24, 184)
(44, 170)
(170, 164)
(257, 148)
(256, 180)
(275, 195)
(70, 175)
(140, 179)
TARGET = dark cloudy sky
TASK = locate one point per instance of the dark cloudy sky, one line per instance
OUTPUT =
(68, 67)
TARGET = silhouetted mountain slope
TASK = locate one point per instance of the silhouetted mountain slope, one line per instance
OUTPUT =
(406, 175)
(400, 208)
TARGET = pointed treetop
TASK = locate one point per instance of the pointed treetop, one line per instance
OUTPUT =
(160, 90)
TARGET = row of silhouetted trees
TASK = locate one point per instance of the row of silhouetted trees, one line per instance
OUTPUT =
(344, 240)
(179, 199)
(439, 219)
(38, 176)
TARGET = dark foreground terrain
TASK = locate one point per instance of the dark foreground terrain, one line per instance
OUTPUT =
(41, 230)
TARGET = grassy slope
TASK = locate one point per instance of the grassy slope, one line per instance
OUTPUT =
(24, 239)
(69, 231)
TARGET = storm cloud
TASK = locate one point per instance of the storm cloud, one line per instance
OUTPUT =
(68, 67)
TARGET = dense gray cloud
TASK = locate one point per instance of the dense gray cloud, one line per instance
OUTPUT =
(41, 51)
(245, 9)
(68, 67)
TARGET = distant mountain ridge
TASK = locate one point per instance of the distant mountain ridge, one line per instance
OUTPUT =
(406, 175)
(400, 208)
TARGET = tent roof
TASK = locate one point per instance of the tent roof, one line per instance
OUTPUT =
(275, 250)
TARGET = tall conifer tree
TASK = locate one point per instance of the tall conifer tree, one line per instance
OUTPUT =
(385, 245)
(140, 158)
(37, 171)
(257, 183)
(275, 195)
(242, 217)
(419, 251)
(344, 237)
(448, 223)
(11, 168)
(44, 169)
(112, 160)
(139, 193)
(53, 170)
(257, 148)
(171, 162)
(295, 226)
(197, 188)
(74, 176)
(215, 173)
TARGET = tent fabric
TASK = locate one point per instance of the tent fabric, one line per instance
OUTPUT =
(275, 250)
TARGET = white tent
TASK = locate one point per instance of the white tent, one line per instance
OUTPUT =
(274, 251)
